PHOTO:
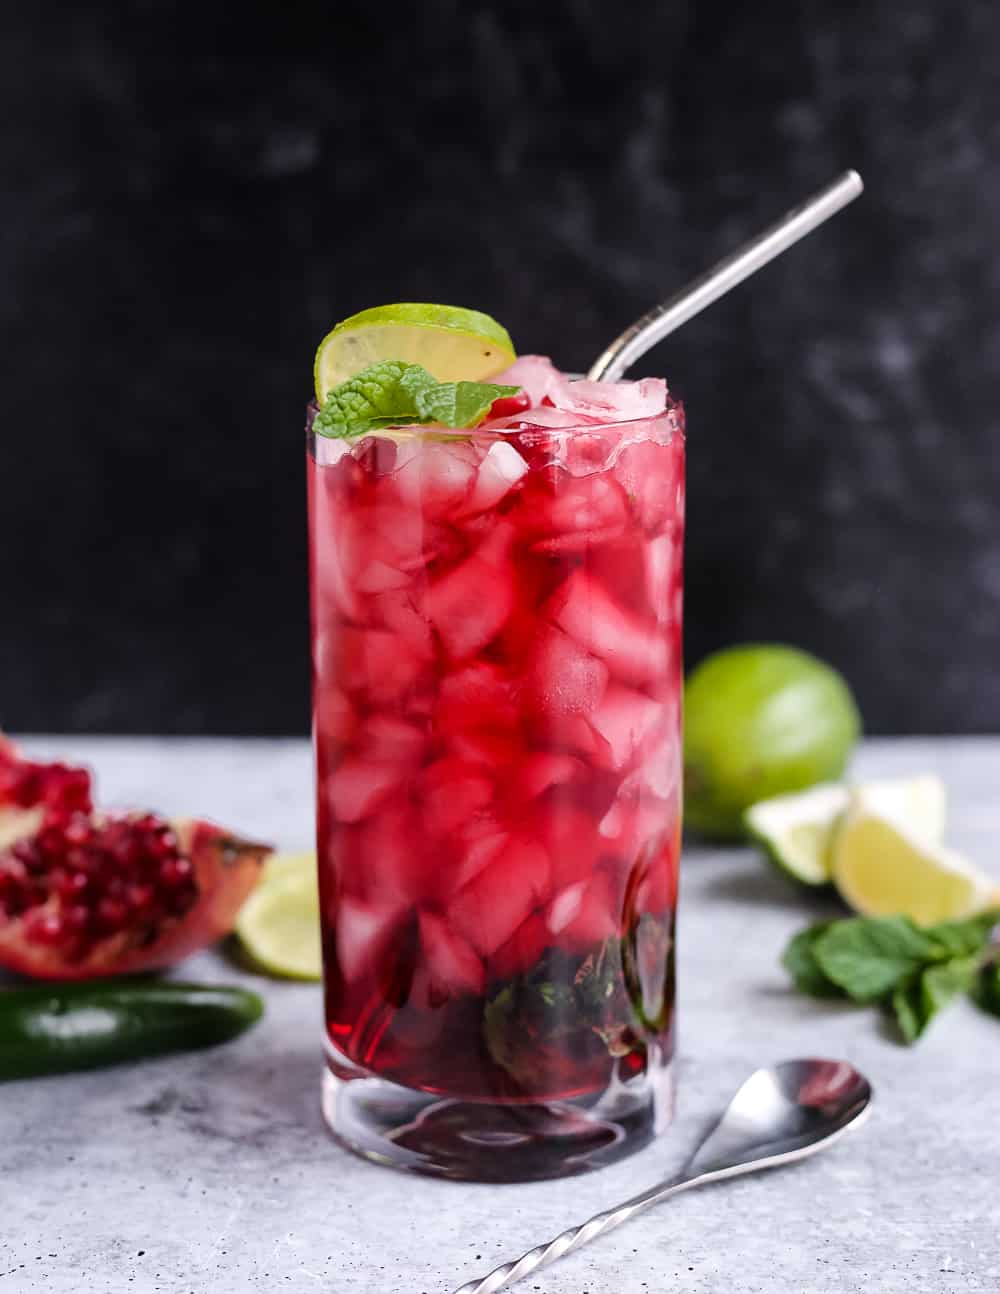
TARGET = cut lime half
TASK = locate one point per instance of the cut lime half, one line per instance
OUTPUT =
(798, 831)
(883, 869)
(452, 343)
(279, 923)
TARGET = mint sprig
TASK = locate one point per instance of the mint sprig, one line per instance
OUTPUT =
(913, 971)
(392, 393)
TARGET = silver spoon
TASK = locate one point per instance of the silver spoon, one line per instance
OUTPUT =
(778, 1116)
(739, 265)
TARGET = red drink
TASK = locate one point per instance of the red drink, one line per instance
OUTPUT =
(497, 673)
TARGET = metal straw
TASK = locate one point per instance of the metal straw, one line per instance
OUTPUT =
(746, 260)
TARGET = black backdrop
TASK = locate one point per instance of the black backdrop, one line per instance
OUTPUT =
(191, 194)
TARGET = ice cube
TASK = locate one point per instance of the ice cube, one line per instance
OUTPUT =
(651, 475)
(388, 853)
(477, 844)
(489, 908)
(544, 417)
(377, 663)
(501, 469)
(436, 480)
(565, 906)
(359, 786)
(569, 514)
(656, 889)
(535, 374)
(611, 401)
(569, 837)
(634, 651)
(365, 932)
(490, 749)
(662, 573)
(388, 740)
(470, 605)
(454, 967)
(521, 952)
(398, 611)
(451, 792)
(581, 914)
(477, 696)
(539, 771)
(627, 721)
(562, 678)
(335, 718)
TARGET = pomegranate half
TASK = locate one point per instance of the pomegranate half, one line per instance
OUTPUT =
(86, 894)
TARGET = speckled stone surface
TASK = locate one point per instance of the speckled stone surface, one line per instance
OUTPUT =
(213, 1172)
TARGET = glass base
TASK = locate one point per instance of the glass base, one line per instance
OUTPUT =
(480, 1142)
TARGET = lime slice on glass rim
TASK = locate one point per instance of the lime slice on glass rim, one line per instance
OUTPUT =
(797, 831)
(278, 925)
(882, 869)
(452, 343)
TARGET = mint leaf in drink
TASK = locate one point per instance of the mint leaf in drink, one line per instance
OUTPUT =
(869, 957)
(919, 1001)
(379, 396)
(460, 404)
(799, 959)
(394, 394)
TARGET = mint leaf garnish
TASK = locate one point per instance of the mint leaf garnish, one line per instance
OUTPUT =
(393, 394)
(893, 962)
(461, 404)
(870, 956)
(918, 1002)
(799, 960)
(986, 993)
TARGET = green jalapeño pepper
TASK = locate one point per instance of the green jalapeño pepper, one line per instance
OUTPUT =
(55, 1028)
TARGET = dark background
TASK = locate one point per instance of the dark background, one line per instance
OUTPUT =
(192, 194)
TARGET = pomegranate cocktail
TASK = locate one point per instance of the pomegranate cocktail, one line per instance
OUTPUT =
(496, 606)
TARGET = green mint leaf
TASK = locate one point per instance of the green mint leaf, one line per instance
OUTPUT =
(460, 404)
(381, 395)
(869, 957)
(394, 394)
(986, 990)
(963, 938)
(800, 961)
(920, 999)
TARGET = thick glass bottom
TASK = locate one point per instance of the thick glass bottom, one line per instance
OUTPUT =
(492, 1142)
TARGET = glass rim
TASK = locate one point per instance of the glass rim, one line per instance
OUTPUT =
(673, 414)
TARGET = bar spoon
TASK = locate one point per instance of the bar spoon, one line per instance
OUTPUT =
(781, 1114)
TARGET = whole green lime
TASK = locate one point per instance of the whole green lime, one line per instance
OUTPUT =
(761, 720)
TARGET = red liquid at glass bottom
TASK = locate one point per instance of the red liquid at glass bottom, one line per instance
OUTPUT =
(496, 692)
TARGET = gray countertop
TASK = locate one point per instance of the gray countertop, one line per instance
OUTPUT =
(213, 1172)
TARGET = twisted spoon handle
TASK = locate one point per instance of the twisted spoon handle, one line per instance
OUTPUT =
(574, 1238)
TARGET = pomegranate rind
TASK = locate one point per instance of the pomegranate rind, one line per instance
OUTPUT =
(226, 870)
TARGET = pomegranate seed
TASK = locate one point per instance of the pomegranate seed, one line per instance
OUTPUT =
(176, 872)
(46, 929)
(507, 405)
(77, 918)
(112, 915)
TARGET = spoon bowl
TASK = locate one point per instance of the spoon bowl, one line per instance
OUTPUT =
(782, 1114)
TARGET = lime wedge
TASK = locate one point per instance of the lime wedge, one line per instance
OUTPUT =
(881, 869)
(916, 804)
(279, 923)
(797, 831)
(453, 344)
